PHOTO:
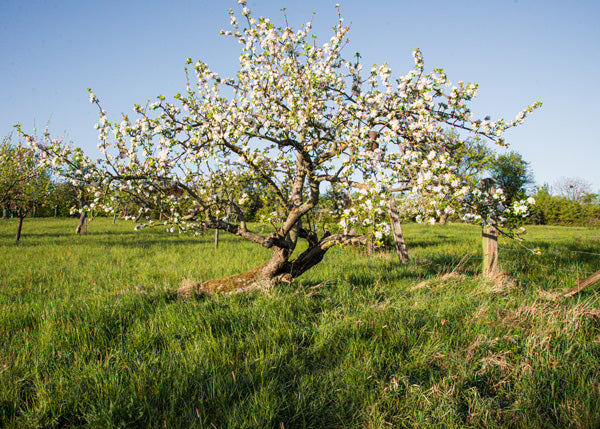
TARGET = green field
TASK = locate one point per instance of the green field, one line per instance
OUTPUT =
(93, 334)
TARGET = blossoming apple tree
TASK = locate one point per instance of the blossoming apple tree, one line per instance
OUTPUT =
(296, 120)
(23, 182)
(71, 165)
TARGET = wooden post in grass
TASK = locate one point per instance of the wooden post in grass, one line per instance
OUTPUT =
(489, 235)
(397, 231)
(227, 214)
(394, 218)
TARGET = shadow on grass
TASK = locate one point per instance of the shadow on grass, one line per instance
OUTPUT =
(438, 239)
(103, 239)
(392, 271)
(555, 254)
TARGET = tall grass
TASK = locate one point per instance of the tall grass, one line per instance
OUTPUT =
(92, 333)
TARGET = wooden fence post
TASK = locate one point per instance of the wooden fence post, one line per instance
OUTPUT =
(489, 236)
(397, 230)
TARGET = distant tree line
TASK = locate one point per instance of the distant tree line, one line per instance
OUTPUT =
(562, 209)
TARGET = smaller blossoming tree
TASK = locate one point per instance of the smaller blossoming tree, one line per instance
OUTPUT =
(295, 119)
(23, 182)
(74, 167)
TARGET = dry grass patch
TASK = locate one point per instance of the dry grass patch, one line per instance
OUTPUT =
(498, 360)
(439, 281)
(554, 317)
(500, 284)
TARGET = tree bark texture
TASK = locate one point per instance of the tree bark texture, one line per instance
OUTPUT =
(397, 231)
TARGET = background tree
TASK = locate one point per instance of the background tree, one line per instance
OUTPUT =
(61, 198)
(296, 118)
(473, 156)
(513, 174)
(573, 188)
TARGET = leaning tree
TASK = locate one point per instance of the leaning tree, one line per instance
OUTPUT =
(296, 119)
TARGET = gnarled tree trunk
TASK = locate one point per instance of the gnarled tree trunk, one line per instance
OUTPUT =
(278, 269)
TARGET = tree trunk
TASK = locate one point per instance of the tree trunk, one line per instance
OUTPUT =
(5, 212)
(397, 231)
(279, 269)
(444, 219)
(114, 218)
(34, 211)
(19, 228)
(82, 217)
(56, 210)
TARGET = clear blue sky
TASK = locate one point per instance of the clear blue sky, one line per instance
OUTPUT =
(519, 51)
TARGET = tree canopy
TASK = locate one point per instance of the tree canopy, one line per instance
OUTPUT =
(296, 119)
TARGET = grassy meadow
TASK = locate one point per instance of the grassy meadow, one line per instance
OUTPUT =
(92, 333)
